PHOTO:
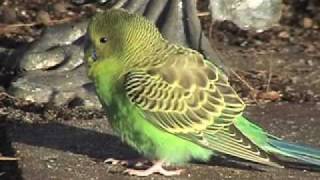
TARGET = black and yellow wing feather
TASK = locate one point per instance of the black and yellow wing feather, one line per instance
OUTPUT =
(188, 96)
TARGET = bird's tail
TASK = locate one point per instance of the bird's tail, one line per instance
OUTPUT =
(276, 146)
(307, 155)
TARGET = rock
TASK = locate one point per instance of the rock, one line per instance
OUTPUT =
(31, 91)
(43, 60)
(67, 58)
(55, 87)
(270, 95)
(284, 35)
(54, 70)
(307, 22)
(61, 7)
(43, 17)
(49, 65)
(257, 15)
(59, 35)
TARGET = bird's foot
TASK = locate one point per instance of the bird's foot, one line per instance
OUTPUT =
(128, 163)
(155, 168)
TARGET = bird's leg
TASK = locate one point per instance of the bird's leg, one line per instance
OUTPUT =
(155, 168)
(128, 163)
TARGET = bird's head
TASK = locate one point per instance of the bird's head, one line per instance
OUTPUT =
(116, 35)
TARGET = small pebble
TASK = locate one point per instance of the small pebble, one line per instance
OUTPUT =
(61, 7)
(310, 48)
(284, 35)
(307, 22)
(43, 17)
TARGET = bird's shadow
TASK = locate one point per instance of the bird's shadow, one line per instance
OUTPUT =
(73, 139)
(94, 144)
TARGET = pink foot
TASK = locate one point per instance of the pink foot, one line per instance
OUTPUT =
(155, 168)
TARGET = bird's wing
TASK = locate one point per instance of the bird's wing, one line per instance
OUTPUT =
(191, 98)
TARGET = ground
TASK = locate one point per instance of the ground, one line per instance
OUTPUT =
(274, 71)
(75, 149)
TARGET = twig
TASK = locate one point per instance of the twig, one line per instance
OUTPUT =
(246, 83)
(13, 27)
(242, 80)
(7, 95)
(3, 158)
(269, 77)
(200, 14)
(211, 31)
(20, 25)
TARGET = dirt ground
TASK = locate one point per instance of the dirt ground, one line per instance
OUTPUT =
(76, 148)
(276, 72)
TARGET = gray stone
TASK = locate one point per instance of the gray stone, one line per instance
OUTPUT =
(59, 88)
(54, 70)
(60, 35)
(67, 58)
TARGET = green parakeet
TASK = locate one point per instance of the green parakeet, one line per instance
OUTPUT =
(171, 104)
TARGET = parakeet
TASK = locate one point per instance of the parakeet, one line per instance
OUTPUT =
(171, 104)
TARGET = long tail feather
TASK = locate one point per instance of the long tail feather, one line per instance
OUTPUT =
(273, 145)
(303, 153)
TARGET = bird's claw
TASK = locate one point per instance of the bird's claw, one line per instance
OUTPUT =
(142, 173)
(135, 163)
(156, 168)
(115, 162)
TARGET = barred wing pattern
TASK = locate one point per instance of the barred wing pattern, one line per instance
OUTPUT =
(191, 98)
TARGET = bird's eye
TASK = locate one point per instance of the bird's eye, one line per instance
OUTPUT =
(94, 55)
(103, 40)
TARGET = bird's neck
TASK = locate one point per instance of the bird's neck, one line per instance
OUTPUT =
(107, 77)
(146, 54)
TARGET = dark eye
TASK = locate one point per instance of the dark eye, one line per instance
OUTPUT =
(103, 40)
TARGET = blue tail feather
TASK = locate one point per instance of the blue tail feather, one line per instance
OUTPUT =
(305, 154)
